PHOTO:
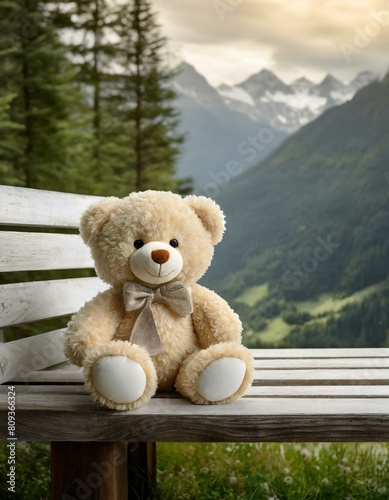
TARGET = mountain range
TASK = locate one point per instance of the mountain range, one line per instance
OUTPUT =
(214, 132)
(325, 183)
(221, 123)
(266, 97)
(311, 223)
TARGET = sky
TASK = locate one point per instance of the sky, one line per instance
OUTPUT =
(229, 40)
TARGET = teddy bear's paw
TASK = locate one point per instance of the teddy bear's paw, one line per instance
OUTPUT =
(118, 379)
(120, 375)
(221, 379)
(220, 374)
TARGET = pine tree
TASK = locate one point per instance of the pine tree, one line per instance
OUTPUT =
(88, 25)
(8, 141)
(45, 109)
(145, 98)
(121, 134)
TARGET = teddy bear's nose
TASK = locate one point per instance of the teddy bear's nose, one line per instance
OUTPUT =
(160, 256)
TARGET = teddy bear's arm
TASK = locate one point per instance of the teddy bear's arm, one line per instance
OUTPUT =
(95, 324)
(213, 319)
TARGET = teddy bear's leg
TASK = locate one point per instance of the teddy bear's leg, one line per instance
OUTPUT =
(219, 374)
(120, 375)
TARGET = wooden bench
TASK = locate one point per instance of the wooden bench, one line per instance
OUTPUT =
(298, 394)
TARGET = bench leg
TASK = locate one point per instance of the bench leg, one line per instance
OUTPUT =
(93, 471)
(142, 470)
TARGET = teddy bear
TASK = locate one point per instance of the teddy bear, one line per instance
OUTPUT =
(155, 326)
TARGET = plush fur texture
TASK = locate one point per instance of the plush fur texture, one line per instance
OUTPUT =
(103, 327)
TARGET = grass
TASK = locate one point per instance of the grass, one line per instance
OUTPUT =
(275, 331)
(273, 471)
(326, 302)
(32, 472)
(259, 471)
(253, 294)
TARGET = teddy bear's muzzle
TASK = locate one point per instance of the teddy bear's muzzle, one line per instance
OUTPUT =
(156, 263)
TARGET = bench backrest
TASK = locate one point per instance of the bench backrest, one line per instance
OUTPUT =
(24, 247)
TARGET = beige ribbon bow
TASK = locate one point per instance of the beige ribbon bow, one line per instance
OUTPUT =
(137, 296)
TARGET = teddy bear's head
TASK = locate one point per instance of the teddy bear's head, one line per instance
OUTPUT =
(152, 237)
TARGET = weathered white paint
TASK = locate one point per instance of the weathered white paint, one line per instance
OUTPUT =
(368, 352)
(320, 363)
(319, 391)
(26, 302)
(41, 251)
(32, 207)
(323, 376)
(18, 358)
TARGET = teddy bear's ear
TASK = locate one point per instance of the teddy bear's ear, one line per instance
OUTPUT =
(96, 216)
(210, 215)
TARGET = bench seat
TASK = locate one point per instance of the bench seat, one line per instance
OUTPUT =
(298, 395)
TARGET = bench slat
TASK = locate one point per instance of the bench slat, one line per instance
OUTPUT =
(165, 419)
(67, 374)
(316, 391)
(160, 407)
(272, 378)
(320, 391)
(367, 352)
(40, 251)
(26, 302)
(322, 376)
(18, 358)
(322, 363)
(32, 207)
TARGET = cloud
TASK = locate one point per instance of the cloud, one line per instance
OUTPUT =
(303, 36)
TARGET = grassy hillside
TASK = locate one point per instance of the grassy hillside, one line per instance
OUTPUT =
(360, 319)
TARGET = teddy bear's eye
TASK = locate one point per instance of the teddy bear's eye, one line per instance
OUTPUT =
(138, 244)
(173, 243)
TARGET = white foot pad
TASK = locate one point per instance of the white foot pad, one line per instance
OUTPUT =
(221, 379)
(119, 379)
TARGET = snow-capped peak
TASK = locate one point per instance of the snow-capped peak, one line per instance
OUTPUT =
(265, 81)
(266, 97)
(235, 93)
